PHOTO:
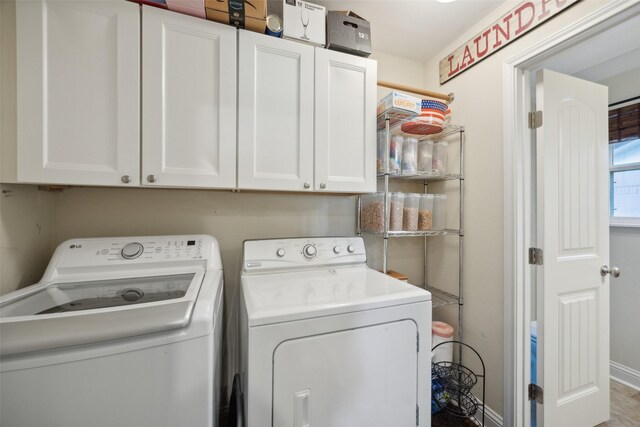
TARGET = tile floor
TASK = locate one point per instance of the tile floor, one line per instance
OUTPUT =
(625, 407)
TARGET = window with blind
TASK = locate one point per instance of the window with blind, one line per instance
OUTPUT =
(624, 163)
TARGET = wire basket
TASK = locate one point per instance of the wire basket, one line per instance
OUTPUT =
(452, 402)
(455, 376)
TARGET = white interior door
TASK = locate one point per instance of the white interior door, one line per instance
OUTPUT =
(78, 85)
(275, 113)
(189, 101)
(364, 377)
(573, 231)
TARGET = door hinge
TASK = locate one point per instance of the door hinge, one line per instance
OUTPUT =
(417, 415)
(536, 393)
(535, 119)
(535, 256)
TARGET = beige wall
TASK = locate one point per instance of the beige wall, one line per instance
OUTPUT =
(26, 235)
(478, 105)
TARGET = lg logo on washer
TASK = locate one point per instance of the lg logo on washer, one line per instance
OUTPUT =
(75, 246)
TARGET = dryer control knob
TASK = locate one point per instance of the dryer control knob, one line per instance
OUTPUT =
(351, 249)
(337, 249)
(132, 250)
(280, 252)
(309, 251)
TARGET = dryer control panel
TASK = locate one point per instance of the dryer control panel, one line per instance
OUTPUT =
(295, 253)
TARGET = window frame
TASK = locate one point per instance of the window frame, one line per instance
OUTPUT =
(620, 221)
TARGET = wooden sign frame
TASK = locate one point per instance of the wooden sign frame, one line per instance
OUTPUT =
(512, 25)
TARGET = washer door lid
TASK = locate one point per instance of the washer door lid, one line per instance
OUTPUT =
(55, 315)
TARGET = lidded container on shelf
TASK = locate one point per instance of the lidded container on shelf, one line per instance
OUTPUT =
(441, 332)
(410, 212)
(396, 147)
(372, 212)
(396, 211)
(439, 163)
(425, 212)
(382, 154)
(425, 156)
(439, 211)
(410, 155)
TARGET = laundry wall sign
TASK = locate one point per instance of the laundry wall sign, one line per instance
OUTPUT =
(515, 23)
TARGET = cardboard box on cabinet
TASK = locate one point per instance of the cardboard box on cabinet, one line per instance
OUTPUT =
(188, 7)
(348, 32)
(304, 21)
(248, 14)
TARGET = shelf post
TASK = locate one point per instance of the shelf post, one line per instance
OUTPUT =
(461, 243)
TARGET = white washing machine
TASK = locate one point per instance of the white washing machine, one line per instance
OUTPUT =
(328, 342)
(119, 332)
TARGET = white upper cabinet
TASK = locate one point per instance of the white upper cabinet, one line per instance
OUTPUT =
(188, 101)
(306, 117)
(107, 98)
(78, 89)
(275, 113)
(345, 122)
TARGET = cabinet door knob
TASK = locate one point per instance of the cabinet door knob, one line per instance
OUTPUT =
(323, 185)
(151, 178)
(307, 185)
(125, 179)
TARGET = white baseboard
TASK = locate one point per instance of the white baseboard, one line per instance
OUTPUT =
(625, 375)
(491, 417)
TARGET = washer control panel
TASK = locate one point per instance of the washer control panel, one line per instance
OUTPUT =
(277, 254)
(134, 250)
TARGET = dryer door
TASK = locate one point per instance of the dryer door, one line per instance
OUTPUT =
(359, 377)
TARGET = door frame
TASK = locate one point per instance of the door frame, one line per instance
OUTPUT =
(517, 186)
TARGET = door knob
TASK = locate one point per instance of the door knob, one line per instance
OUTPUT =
(151, 178)
(613, 271)
(307, 185)
(126, 179)
(323, 185)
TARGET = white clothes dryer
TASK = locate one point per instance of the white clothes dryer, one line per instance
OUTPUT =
(328, 342)
(119, 332)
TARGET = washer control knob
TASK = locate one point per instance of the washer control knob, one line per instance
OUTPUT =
(309, 251)
(337, 249)
(351, 249)
(280, 252)
(132, 250)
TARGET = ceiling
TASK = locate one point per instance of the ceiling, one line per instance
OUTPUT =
(610, 53)
(415, 29)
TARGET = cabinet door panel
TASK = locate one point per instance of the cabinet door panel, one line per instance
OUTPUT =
(78, 92)
(345, 141)
(189, 101)
(275, 114)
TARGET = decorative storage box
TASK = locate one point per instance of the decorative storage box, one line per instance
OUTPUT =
(399, 106)
(304, 21)
(249, 14)
(347, 32)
